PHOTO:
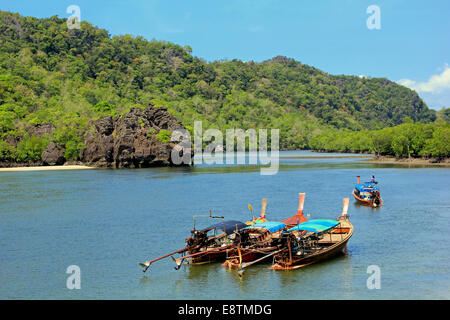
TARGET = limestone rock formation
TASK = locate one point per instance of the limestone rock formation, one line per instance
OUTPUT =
(53, 155)
(131, 141)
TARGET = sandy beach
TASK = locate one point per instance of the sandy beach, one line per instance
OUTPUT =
(42, 168)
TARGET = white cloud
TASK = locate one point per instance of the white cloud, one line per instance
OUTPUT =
(436, 84)
(407, 83)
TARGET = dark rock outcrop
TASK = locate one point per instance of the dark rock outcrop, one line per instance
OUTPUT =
(41, 129)
(53, 155)
(100, 143)
(130, 140)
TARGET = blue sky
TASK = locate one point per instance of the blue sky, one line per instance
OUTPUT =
(412, 47)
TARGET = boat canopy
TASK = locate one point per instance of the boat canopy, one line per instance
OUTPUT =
(317, 225)
(366, 187)
(228, 226)
(269, 225)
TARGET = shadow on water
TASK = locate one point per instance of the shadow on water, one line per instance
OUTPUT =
(145, 281)
(309, 282)
(246, 283)
(200, 272)
(357, 204)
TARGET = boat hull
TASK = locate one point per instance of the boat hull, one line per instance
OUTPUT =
(208, 258)
(335, 249)
(247, 256)
(306, 261)
(366, 202)
(209, 255)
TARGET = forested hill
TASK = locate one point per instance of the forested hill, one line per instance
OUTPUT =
(66, 78)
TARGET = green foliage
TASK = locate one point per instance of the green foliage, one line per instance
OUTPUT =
(439, 144)
(7, 151)
(399, 146)
(164, 136)
(444, 114)
(30, 148)
(405, 140)
(105, 108)
(151, 132)
(52, 75)
(71, 140)
(6, 121)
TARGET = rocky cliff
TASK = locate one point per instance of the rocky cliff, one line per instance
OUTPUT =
(131, 141)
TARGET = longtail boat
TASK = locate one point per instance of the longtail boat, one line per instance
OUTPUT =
(260, 241)
(368, 193)
(255, 243)
(209, 244)
(313, 241)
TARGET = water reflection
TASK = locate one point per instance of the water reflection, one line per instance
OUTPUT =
(345, 274)
(200, 272)
(145, 281)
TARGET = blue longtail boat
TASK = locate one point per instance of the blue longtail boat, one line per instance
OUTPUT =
(368, 193)
(313, 241)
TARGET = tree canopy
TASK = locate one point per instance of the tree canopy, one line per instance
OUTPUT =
(65, 78)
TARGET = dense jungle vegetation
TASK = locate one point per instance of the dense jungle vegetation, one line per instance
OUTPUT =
(65, 78)
(403, 141)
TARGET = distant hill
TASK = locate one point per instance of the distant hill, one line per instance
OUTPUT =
(64, 79)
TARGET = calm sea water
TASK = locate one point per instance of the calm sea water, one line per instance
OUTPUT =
(106, 221)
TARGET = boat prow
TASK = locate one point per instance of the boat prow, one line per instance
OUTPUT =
(259, 241)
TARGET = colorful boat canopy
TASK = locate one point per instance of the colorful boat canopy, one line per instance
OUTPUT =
(256, 220)
(317, 225)
(228, 226)
(366, 187)
(269, 225)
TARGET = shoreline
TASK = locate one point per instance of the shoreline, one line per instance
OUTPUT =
(409, 162)
(393, 160)
(327, 157)
(46, 168)
(366, 158)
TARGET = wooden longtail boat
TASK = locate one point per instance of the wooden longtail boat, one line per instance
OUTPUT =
(261, 241)
(323, 240)
(255, 243)
(209, 244)
(368, 193)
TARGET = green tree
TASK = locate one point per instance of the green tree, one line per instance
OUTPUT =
(30, 148)
(439, 145)
(164, 136)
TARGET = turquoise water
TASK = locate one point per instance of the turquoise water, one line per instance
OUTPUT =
(106, 221)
